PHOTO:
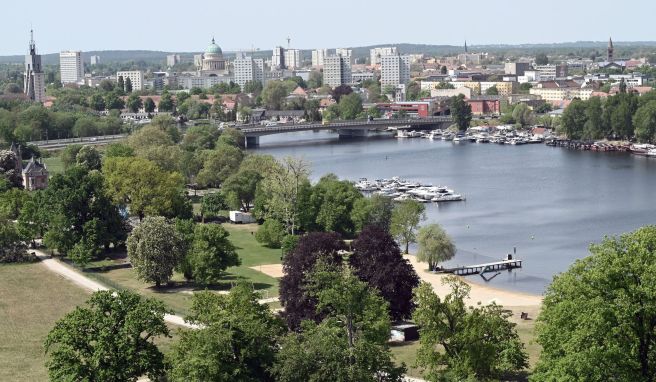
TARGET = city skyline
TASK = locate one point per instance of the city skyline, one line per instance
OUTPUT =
(508, 23)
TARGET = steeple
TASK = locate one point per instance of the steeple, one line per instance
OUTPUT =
(466, 46)
(611, 50)
(32, 43)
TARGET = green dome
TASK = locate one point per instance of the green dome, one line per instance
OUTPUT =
(213, 48)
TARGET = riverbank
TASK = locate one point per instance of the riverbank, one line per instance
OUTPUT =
(479, 293)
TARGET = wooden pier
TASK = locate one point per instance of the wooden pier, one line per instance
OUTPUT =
(480, 269)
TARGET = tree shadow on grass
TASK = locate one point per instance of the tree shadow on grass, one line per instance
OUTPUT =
(225, 285)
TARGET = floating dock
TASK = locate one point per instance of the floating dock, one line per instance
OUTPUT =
(480, 269)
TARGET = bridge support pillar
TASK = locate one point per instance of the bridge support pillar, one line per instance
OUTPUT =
(252, 141)
(352, 133)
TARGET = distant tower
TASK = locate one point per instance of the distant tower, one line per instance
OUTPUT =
(289, 42)
(466, 46)
(609, 58)
(33, 78)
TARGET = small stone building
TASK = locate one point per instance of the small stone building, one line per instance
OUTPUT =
(35, 175)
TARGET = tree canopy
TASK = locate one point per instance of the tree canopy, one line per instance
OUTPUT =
(406, 217)
(435, 246)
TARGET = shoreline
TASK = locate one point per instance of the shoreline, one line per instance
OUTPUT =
(479, 293)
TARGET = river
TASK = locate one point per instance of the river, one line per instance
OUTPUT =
(549, 203)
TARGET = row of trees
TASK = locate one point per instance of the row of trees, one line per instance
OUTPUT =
(623, 116)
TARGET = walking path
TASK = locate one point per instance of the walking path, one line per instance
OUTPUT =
(83, 281)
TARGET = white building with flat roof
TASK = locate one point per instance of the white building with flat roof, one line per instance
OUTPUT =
(377, 53)
(248, 69)
(71, 68)
(394, 70)
(344, 52)
(337, 71)
(318, 55)
(278, 58)
(95, 60)
(293, 58)
(136, 78)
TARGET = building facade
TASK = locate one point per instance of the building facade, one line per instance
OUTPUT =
(293, 58)
(34, 85)
(337, 71)
(278, 58)
(71, 69)
(248, 69)
(394, 70)
(136, 78)
(94, 60)
(344, 52)
(172, 60)
(318, 55)
(376, 54)
(517, 68)
(35, 175)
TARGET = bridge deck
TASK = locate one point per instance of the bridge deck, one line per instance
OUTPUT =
(482, 268)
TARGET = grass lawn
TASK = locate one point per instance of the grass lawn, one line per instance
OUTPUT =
(117, 274)
(54, 164)
(32, 300)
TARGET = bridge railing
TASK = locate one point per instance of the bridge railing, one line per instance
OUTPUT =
(360, 123)
(76, 140)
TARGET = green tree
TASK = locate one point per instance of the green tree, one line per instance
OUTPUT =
(461, 112)
(523, 115)
(12, 201)
(199, 137)
(218, 165)
(444, 85)
(273, 95)
(211, 253)
(315, 80)
(155, 248)
(492, 90)
(376, 210)
(113, 102)
(97, 102)
(406, 217)
(271, 233)
(350, 106)
(33, 217)
(121, 83)
(149, 105)
(12, 248)
(598, 318)
(118, 150)
(211, 205)
(594, 127)
(134, 103)
(435, 246)
(128, 85)
(9, 170)
(574, 119)
(240, 188)
(541, 59)
(644, 121)
(166, 103)
(332, 201)
(88, 158)
(237, 340)
(460, 343)
(112, 338)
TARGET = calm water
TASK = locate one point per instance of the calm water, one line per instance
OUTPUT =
(549, 203)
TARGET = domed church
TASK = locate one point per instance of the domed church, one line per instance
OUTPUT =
(213, 63)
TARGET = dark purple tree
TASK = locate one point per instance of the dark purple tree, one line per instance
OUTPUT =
(377, 260)
(340, 91)
(297, 266)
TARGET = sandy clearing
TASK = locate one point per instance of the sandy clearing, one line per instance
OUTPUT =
(273, 270)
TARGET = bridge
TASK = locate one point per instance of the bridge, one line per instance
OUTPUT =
(56, 144)
(252, 133)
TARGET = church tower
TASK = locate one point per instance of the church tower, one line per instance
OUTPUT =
(611, 50)
(33, 79)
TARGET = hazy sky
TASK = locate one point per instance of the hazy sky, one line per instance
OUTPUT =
(238, 25)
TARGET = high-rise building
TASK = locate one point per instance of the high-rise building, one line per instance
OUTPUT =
(517, 68)
(337, 70)
(136, 78)
(33, 79)
(71, 69)
(318, 55)
(611, 50)
(278, 58)
(394, 70)
(248, 69)
(172, 60)
(377, 53)
(344, 52)
(293, 58)
(95, 60)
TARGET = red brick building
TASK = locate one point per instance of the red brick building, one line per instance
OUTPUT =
(484, 105)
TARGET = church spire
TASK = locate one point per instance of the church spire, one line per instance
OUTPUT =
(466, 46)
(611, 50)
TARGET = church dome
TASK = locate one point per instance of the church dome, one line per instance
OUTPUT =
(213, 49)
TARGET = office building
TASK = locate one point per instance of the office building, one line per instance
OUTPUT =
(172, 60)
(318, 55)
(394, 70)
(337, 71)
(95, 60)
(278, 58)
(33, 79)
(136, 78)
(377, 53)
(344, 52)
(517, 68)
(293, 58)
(248, 69)
(71, 69)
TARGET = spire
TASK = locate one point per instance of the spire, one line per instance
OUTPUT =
(32, 44)
(466, 46)
(610, 43)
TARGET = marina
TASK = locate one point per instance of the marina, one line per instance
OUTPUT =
(399, 190)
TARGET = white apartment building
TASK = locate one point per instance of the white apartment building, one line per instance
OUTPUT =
(394, 70)
(95, 60)
(377, 53)
(293, 58)
(71, 68)
(136, 78)
(172, 60)
(337, 71)
(559, 94)
(318, 55)
(344, 52)
(278, 58)
(248, 69)
(359, 77)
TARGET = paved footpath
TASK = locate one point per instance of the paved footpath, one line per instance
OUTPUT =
(83, 281)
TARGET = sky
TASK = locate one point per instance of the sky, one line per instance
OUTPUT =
(180, 26)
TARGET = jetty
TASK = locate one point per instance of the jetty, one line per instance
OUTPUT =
(480, 269)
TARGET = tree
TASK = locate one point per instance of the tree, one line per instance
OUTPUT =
(113, 102)
(218, 165)
(33, 219)
(461, 112)
(297, 266)
(88, 158)
(460, 343)
(12, 248)
(149, 105)
(211, 205)
(11, 202)
(166, 103)
(97, 102)
(594, 127)
(349, 345)
(341, 91)
(9, 168)
(231, 137)
(598, 319)
(376, 210)
(621, 119)
(112, 338)
(644, 121)
(435, 246)
(315, 80)
(155, 248)
(332, 201)
(377, 260)
(541, 59)
(350, 106)
(271, 233)
(211, 253)
(444, 85)
(128, 85)
(121, 83)
(443, 70)
(146, 188)
(118, 150)
(273, 95)
(253, 87)
(523, 115)
(405, 221)
(237, 340)
(134, 102)
(492, 90)
(574, 119)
